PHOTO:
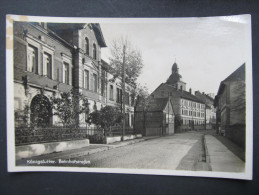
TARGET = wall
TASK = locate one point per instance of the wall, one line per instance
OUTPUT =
(237, 103)
(237, 134)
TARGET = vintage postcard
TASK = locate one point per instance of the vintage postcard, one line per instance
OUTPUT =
(163, 96)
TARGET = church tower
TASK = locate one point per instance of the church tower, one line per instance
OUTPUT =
(175, 78)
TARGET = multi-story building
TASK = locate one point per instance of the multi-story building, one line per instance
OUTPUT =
(185, 104)
(210, 113)
(230, 103)
(50, 58)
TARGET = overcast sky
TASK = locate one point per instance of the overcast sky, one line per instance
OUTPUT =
(206, 50)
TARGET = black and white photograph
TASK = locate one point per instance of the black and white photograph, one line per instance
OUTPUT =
(162, 96)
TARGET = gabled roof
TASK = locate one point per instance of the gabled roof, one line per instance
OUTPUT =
(99, 35)
(204, 97)
(107, 67)
(237, 75)
(157, 104)
(59, 27)
(153, 105)
(182, 94)
(189, 96)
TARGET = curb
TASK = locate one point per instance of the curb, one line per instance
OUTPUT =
(206, 149)
(93, 151)
(207, 152)
(102, 149)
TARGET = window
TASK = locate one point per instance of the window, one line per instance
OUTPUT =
(103, 83)
(66, 73)
(57, 74)
(119, 95)
(132, 119)
(86, 79)
(127, 119)
(95, 82)
(94, 52)
(86, 45)
(126, 98)
(73, 76)
(111, 92)
(132, 100)
(32, 65)
(47, 65)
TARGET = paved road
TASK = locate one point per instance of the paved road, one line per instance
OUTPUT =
(180, 151)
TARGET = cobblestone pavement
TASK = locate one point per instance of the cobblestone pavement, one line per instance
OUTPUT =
(180, 151)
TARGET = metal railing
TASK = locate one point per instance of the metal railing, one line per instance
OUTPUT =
(25, 135)
(29, 135)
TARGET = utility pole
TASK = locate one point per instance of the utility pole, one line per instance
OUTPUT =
(123, 92)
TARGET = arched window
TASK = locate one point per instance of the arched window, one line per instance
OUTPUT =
(94, 52)
(86, 45)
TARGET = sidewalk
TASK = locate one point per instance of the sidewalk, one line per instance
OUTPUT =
(91, 149)
(220, 157)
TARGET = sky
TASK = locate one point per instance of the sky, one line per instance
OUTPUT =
(206, 50)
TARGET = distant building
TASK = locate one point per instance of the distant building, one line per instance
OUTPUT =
(51, 58)
(190, 109)
(230, 103)
(155, 118)
(210, 113)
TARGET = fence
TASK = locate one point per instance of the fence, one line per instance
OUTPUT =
(26, 135)
(117, 131)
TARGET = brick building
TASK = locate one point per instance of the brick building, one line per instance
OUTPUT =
(185, 104)
(230, 103)
(50, 58)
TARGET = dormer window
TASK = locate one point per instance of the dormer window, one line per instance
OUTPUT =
(94, 51)
(86, 45)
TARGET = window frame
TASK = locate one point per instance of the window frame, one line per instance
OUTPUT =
(95, 82)
(68, 60)
(111, 93)
(86, 72)
(36, 55)
(87, 46)
(94, 51)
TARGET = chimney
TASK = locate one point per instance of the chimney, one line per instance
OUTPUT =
(202, 93)
(190, 90)
(45, 25)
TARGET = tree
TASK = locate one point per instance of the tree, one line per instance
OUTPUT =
(126, 62)
(141, 95)
(124, 54)
(68, 106)
(22, 118)
(106, 117)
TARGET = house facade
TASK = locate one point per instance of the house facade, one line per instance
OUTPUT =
(51, 58)
(156, 118)
(210, 113)
(230, 103)
(186, 105)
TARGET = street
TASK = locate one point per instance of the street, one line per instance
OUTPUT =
(183, 151)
